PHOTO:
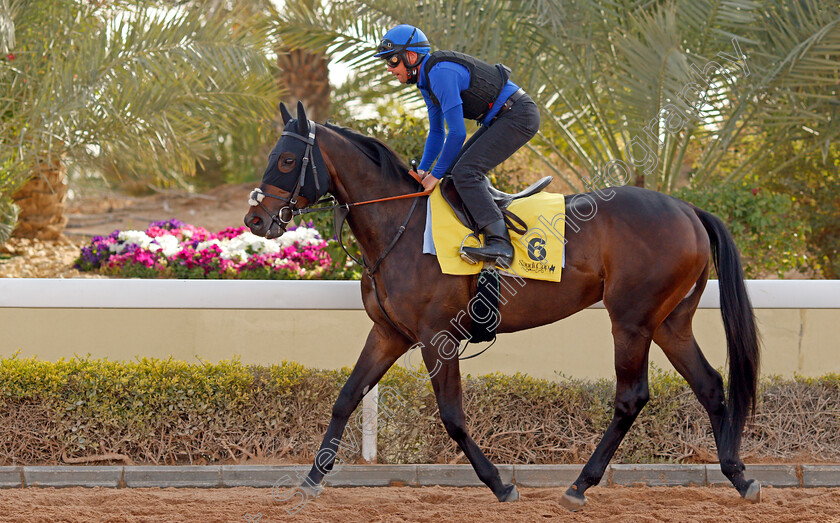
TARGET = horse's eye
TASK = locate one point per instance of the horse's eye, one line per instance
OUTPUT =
(286, 162)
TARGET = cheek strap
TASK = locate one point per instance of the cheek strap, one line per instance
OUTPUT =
(307, 156)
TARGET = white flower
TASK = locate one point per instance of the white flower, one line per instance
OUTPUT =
(127, 238)
(301, 235)
(237, 249)
(255, 243)
(230, 249)
(205, 244)
(169, 245)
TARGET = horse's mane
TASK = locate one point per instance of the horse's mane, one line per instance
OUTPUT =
(392, 167)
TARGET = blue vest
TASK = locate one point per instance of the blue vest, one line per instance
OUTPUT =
(486, 82)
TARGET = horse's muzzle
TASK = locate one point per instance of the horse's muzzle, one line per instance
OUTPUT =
(266, 228)
(274, 231)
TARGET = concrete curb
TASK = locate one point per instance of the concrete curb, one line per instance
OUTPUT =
(659, 475)
(290, 476)
(190, 476)
(71, 476)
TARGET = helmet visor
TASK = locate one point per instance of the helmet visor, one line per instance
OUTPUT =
(385, 46)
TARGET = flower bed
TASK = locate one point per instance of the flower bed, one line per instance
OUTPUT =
(172, 249)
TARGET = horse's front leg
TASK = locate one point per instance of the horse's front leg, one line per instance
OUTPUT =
(382, 349)
(446, 382)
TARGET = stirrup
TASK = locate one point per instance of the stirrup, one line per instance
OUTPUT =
(464, 256)
(484, 261)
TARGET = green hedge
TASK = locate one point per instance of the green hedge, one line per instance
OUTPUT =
(168, 411)
(768, 227)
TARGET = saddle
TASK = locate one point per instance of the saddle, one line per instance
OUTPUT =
(502, 199)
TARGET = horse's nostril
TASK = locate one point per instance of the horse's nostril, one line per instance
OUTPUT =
(252, 221)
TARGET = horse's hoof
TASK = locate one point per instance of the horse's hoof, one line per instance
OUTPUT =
(510, 493)
(753, 492)
(573, 502)
(311, 491)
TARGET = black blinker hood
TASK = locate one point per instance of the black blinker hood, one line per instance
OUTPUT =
(293, 140)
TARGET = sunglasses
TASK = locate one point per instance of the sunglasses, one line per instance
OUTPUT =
(393, 61)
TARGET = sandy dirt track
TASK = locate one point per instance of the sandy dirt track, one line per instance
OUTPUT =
(397, 504)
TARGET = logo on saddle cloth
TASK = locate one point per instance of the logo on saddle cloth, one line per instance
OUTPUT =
(538, 254)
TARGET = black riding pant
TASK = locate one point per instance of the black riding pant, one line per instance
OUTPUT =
(488, 147)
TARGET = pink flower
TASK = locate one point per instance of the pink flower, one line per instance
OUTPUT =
(299, 260)
(191, 232)
(155, 232)
(186, 258)
(228, 233)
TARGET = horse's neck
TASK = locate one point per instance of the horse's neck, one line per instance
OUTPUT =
(358, 179)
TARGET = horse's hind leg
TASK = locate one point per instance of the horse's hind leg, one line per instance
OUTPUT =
(446, 382)
(631, 394)
(677, 341)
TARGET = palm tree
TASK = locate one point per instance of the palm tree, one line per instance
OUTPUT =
(42, 201)
(303, 71)
(84, 82)
(607, 75)
(304, 76)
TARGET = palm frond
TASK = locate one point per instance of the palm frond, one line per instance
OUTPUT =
(144, 83)
(606, 72)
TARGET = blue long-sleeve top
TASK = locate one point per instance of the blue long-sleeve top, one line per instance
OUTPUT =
(447, 80)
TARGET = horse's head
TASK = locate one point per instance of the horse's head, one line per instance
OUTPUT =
(296, 175)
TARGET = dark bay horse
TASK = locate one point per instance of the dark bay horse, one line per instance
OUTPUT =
(645, 254)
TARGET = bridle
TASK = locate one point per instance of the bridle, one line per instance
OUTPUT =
(286, 213)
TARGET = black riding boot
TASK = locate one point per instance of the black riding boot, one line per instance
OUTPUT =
(497, 247)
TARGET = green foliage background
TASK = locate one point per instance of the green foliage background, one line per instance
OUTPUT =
(767, 226)
(168, 412)
(600, 71)
(131, 88)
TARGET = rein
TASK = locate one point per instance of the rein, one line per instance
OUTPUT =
(287, 213)
(341, 210)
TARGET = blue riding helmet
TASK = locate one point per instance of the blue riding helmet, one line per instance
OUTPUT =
(403, 38)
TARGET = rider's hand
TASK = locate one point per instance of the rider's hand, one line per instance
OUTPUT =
(419, 174)
(429, 182)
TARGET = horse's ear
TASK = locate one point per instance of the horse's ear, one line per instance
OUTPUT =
(303, 123)
(285, 113)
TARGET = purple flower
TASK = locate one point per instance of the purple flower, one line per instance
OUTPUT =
(168, 224)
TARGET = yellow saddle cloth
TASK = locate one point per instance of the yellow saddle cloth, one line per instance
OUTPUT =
(538, 254)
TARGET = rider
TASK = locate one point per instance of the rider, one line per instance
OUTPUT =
(457, 86)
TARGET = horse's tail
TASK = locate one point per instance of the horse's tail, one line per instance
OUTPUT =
(739, 325)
